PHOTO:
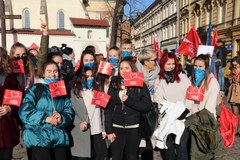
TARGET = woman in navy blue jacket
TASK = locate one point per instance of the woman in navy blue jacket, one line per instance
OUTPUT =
(46, 118)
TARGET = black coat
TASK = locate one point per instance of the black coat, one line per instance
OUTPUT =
(221, 53)
(127, 113)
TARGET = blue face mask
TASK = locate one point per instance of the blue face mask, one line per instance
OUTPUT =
(89, 83)
(126, 54)
(199, 75)
(114, 61)
(49, 80)
(89, 64)
(122, 81)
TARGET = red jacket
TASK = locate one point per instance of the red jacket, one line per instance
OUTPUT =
(9, 129)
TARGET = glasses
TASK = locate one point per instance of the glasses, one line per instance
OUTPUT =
(153, 60)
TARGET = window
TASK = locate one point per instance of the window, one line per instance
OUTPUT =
(89, 34)
(170, 33)
(174, 30)
(26, 18)
(61, 19)
(197, 21)
(171, 8)
(107, 30)
(174, 7)
(207, 17)
(223, 10)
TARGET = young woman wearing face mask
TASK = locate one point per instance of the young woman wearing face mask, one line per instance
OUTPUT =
(9, 130)
(201, 77)
(172, 87)
(123, 113)
(114, 58)
(18, 51)
(46, 118)
(88, 137)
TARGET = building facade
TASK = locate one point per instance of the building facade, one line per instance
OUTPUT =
(222, 14)
(172, 19)
(62, 29)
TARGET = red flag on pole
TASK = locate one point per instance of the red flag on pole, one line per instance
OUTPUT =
(57, 89)
(34, 46)
(100, 99)
(155, 45)
(215, 38)
(12, 97)
(189, 45)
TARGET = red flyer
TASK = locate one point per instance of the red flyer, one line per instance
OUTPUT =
(18, 66)
(100, 99)
(105, 68)
(12, 97)
(57, 89)
(133, 79)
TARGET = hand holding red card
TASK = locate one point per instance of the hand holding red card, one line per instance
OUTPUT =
(18, 66)
(100, 99)
(133, 79)
(105, 68)
(12, 97)
(57, 89)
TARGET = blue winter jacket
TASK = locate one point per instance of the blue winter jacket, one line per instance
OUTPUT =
(38, 133)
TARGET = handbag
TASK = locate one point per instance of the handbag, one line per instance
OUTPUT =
(148, 121)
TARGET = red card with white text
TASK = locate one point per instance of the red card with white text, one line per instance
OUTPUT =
(12, 97)
(77, 65)
(57, 89)
(105, 68)
(133, 79)
(100, 99)
(18, 66)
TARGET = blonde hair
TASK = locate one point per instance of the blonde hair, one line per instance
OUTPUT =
(145, 54)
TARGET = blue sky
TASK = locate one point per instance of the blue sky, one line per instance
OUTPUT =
(136, 5)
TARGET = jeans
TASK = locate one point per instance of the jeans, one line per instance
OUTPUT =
(221, 78)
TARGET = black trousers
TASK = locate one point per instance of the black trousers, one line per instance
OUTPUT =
(180, 151)
(6, 153)
(40, 153)
(126, 144)
(98, 149)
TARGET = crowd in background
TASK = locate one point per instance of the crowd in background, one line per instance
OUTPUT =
(70, 127)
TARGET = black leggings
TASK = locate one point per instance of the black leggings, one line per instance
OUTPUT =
(6, 153)
(179, 150)
(40, 153)
(126, 144)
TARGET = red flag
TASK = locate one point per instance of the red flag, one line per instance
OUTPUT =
(105, 68)
(34, 46)
(189, 45)
(100, 99)
(160, 53)
(228, 124)
(215, 38)
(12, 97)
(57, 89)
(133, 79)
(77, 66)
(15, 41)
(18, 66)
(155, 45)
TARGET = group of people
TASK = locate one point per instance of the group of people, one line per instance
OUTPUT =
(70, 127)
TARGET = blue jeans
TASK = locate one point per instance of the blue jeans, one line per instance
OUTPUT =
(221, 78)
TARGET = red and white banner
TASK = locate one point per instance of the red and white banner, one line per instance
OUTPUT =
(12, 97)
(57, 89)
(105, 68)
(189, 45)
(215, 38)
(100, 99)
(133, 79)
(18, 66)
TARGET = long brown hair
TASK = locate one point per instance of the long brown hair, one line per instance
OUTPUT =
(29, 68)
(5, 63)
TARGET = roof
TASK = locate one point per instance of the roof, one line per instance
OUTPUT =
(38, 32)
(89, 22)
